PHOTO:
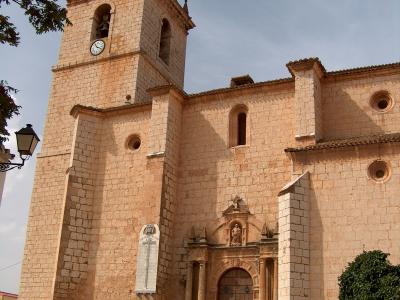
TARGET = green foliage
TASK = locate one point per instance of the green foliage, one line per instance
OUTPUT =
(370, 277)
(8, 32)
(8, 108)
(45, 16)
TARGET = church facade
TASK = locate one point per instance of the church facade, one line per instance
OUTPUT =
(257, 191)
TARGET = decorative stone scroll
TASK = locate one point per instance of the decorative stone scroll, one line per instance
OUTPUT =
(147, 260)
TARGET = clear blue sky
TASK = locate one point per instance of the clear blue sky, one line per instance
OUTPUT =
(232, 38)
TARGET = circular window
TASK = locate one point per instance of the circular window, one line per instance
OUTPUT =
(381, 101)
(134, 142)
(379, 171)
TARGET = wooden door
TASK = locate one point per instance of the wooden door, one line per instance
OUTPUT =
(235, 284)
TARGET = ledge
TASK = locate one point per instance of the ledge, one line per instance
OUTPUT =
(350, 142)
(270, 83)
(165, 89)
(156, 154)
(289, 187)
(100, 112)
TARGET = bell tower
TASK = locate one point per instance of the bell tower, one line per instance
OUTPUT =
(141, 44)
(114, 52)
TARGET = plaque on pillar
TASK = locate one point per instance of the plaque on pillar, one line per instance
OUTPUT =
(147, 260)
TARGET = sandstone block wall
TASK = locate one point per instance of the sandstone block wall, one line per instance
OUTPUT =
(349, 212)
(122, 205)
(347, 111)
(154, 12)
(124, 68)
(124, 34)
(42, 239)
(211, 173)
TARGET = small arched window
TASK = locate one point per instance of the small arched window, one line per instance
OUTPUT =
(165, 41)
(238, 126)
(241, 138)
(101, 22)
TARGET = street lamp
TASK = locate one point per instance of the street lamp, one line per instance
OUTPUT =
(27, 141)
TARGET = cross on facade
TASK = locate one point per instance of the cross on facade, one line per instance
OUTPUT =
(148, 243)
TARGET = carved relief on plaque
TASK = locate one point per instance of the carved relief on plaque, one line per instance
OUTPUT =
(147, 259)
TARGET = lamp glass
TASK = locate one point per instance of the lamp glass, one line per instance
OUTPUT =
(34, 144)
(24, 143)
(27, 140)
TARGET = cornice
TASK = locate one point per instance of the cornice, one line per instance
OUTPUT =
(182, 14)
(62, 67)
(106, 112)
(165, 89)
(360, 72)
(284, 83)
(349, 142)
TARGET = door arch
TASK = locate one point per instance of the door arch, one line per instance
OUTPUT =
(235, 284)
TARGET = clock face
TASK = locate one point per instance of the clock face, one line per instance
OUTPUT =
(97, 47)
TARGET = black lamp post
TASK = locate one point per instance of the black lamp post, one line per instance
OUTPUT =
(27, 141)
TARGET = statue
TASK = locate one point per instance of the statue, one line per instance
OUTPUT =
(236, 235)
(236, 203)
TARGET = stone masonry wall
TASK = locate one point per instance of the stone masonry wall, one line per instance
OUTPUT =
(101, 85)
(211, 173)
(347, 111)
(42, 239)
(154, 12)
(102, 81)
(349, 212)
(121, 207)
(294, 242)
(124, 35)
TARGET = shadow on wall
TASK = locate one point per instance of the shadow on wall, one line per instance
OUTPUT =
(115, 228)
(349, 212)
(343, 118)
(198, 191)
(317, 283)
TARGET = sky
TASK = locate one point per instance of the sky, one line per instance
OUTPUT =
(232, 38)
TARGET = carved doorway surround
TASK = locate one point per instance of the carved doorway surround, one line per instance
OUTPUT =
(236, 242)
(235, 284)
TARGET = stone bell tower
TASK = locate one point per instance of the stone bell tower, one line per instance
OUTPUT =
(112, 54)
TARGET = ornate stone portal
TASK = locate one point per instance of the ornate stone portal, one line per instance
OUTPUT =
(147, 259)
(237, 241)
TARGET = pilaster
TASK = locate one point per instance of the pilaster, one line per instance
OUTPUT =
(189, 281)
(263, 280)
